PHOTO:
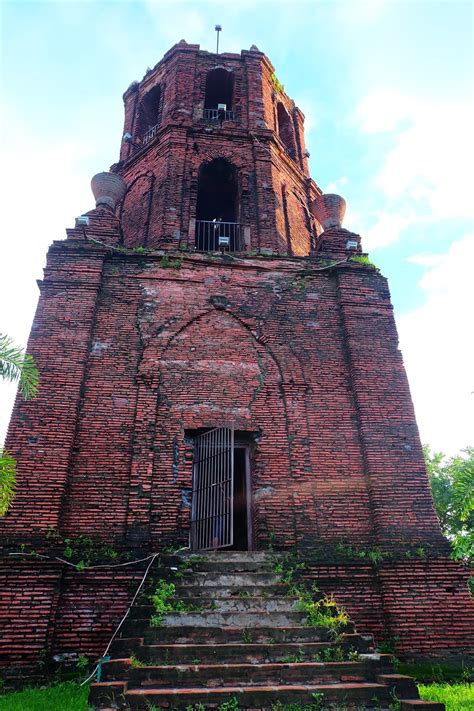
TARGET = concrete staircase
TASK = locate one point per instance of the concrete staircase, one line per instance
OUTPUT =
(241, 636)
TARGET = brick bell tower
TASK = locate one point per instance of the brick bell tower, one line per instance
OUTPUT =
(212, 302)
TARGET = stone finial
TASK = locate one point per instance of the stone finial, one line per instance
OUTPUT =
(254, 48)
(329, 210)
(108, 189)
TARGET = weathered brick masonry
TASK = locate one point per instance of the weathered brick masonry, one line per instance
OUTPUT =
(288, 341)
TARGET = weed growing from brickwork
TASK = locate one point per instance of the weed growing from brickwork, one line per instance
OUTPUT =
(277, 84)
(363, 259)
(388, 644)
(167, 263)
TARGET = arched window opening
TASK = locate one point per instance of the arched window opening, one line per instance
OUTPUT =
(219, 96)
(217, 211)
(285, 130)
(148, 115)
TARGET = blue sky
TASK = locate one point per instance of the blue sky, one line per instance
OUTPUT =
(386, 87)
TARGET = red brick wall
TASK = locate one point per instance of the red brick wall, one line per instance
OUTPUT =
(133, 353)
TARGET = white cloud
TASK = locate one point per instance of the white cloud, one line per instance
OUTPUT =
(385, 231)
(42, 196)
(437, 342)
(429, 165)
(335, 185)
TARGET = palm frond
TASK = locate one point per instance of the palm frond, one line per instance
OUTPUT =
(463, 490)
(7, 481)
(15, 364)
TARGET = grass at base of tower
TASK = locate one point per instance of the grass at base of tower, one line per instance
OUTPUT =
(457, 697)
(64, 696)
(70, 696)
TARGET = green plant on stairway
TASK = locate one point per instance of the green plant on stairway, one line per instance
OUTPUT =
(278, 706)
(243, 594)
(231, 705)
(196, 707)
(323, 613)
(287, 566)
(293, 658)
(247, 637)
(316, 706)
(353, 655)
(164, 601)
(336, 654)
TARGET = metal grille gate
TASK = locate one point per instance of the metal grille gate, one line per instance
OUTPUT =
(212, 512)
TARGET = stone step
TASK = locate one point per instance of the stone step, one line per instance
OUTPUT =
(215, 675)
(229, 556)
(232, 604)
(187, 589)
(191, 634)
(219, 565)
(214, 618)
(229, 579)
(403, 687)
(232, 652)
(262, 697)
(421, 705)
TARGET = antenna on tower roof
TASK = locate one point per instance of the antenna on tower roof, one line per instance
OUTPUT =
(218, 28)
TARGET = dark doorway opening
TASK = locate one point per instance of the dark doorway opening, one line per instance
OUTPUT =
(241, 499)
(221, 510)
(217, 226)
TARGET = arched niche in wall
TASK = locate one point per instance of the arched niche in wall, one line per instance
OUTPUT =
(219, 89)
(148, 112)
(285, 130)
(135, 211)
(218, 205)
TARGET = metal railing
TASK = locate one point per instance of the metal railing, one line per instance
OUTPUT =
(151, 133)
(216, 236)
(218, 115)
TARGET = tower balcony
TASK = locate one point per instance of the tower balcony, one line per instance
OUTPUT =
(217, 236)
(150, 134)
(217, 115)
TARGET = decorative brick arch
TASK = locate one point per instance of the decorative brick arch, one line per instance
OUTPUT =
(135, 210)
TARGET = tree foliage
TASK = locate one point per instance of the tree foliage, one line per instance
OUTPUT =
(452, 485)
(15, 365)
(7, 480)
